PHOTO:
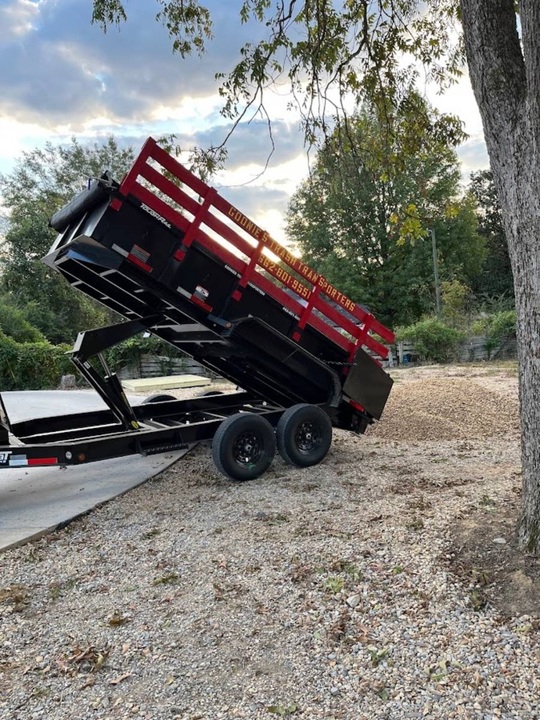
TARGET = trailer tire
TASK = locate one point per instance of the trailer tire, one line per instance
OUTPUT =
(244, 446)
(304, 435)
(157, 398)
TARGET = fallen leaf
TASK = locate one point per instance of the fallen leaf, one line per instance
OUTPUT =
(120, 679)
(117, 619)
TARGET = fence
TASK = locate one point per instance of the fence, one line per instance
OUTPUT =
(474, 349)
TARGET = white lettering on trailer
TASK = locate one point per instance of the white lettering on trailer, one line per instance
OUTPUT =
(156, 215)
(290, 312)
(4, 458)
(258, 289)
(232, 270)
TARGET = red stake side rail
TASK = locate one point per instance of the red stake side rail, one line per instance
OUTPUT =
(211, 215)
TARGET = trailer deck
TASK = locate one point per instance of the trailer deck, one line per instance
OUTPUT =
(173, 257)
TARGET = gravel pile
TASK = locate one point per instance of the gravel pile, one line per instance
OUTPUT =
(319, 594)
(446, 409)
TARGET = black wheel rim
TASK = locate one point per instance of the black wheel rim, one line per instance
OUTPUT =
(247, 449)
(308, 437)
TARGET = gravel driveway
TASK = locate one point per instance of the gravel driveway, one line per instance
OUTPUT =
(322, 593)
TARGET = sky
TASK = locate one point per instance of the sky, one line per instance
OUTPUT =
(62, 77)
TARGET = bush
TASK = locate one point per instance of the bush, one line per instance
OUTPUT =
(31, 366)
(130, 352)
(14, 324)
(479, 326)
(493, 304)
(432, 339)
(456, 300)
(499, 328)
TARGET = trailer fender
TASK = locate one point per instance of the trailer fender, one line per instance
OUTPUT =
(158, 398)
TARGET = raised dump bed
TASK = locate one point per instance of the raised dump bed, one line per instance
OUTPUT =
(167, 252)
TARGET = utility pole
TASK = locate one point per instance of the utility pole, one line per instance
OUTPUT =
(436, 273)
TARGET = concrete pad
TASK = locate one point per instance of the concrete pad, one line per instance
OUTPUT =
(169, 382)
(34, 501)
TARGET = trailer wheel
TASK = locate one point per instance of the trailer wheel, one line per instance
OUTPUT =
(244, 446)
(157, 398)
(304, 435)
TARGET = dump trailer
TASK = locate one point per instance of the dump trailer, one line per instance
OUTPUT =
(165, 251)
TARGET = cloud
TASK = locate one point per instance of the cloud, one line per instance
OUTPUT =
(17, 20)
(63, 70)
(63, 77)
(253, 144)
(253, 201)
(473, 155)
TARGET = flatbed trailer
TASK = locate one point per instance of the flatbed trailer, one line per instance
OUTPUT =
(174, 258)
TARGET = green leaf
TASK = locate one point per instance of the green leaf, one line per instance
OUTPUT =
(282, 710)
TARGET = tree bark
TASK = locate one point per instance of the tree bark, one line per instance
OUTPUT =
(505, 76)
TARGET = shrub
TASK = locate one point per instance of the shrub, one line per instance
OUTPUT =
(432, 339)
(499, 328)
(492, 304)
(456, 300)
(31, 366)
(478, 326)
(14, 324)
(130, 352)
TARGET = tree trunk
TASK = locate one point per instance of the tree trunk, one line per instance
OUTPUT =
(505, 75)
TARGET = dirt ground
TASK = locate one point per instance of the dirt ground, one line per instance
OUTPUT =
(469, 411)
(461, 410)
(473, 402)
